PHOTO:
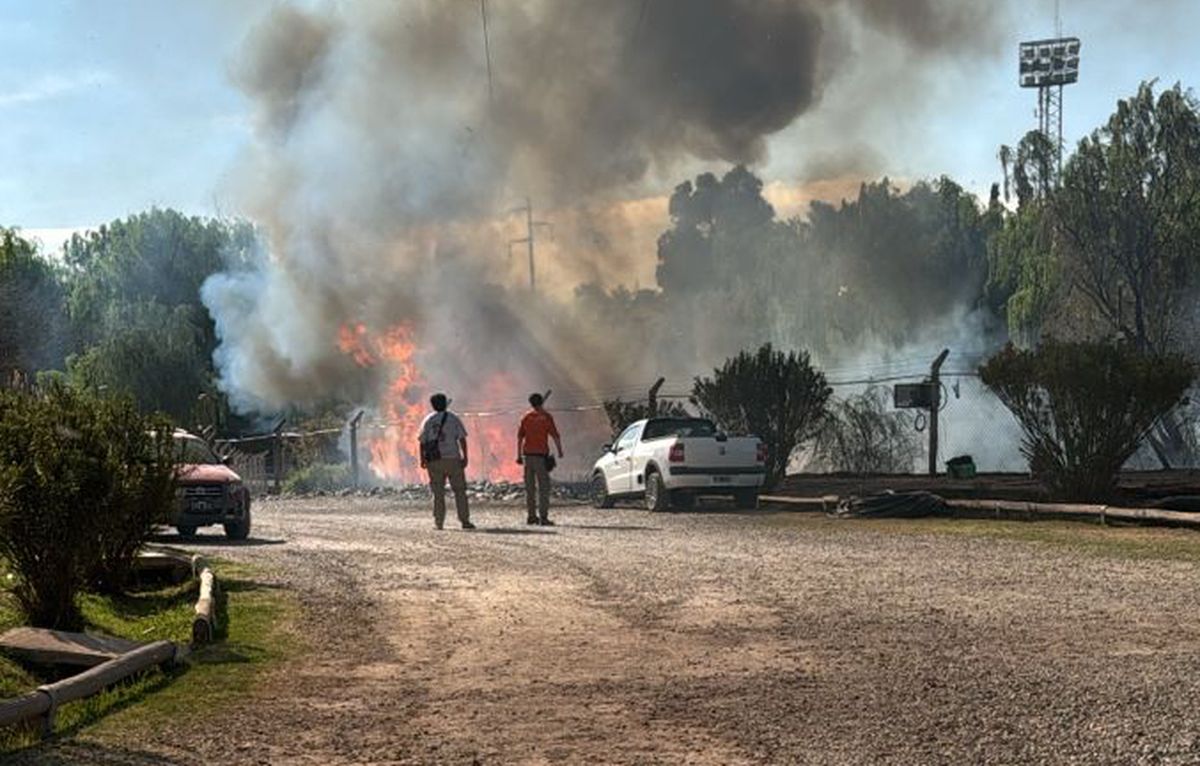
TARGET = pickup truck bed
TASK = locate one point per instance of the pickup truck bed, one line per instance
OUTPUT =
(668, 462)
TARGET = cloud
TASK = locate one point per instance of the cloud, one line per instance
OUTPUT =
(51, 86)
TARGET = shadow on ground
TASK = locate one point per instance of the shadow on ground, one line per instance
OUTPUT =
(79, 753)
(216, 539)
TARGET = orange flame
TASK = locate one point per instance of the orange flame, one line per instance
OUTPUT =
(394, 451)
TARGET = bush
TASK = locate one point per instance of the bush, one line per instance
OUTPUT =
(1084, 408)
(780, 398)
(319, 477)
(621, 413)
(82, 484)
(861, 434)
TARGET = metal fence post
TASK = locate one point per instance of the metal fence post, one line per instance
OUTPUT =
(354, 447)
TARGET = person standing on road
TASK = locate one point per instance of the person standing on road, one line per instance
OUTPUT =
(443, 450)
(533, 450)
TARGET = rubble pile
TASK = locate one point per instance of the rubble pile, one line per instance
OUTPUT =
(499, 492)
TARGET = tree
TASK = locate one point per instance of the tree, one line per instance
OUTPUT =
(135, 305)
(155, 356)
(1128, 216)
(1084, 407)
(860, 434)
(778, 397)
(33, 326)
(1116, 238)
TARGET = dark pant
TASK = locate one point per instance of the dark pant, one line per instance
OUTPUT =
(452, 469)
(537, 487)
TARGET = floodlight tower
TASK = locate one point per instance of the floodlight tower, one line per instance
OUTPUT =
(1049, 66)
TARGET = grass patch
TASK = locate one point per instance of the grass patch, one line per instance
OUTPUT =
(255, 620)
(1114, 542)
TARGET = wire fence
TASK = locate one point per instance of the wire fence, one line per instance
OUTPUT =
(971, 421)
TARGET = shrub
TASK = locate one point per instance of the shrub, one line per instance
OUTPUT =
(319, 477)
(860, 434)
(622, 413)
(778, 397)
(141, 456)
(81, 485)
(1084, 407)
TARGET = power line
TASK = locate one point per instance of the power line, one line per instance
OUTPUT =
(487, 51)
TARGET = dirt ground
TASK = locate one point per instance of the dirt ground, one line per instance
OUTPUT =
(707, 638)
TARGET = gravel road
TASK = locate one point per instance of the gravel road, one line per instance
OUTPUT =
(708, 638)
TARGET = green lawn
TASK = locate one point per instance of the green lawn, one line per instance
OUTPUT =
(255, 633)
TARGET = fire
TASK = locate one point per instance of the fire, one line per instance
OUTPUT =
(393, 448)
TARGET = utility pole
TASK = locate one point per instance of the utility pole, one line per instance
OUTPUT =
(935, 404)
(530, 227)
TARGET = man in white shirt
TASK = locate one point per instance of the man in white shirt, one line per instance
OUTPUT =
(443, 451)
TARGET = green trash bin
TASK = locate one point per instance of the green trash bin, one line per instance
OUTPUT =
(961, 467)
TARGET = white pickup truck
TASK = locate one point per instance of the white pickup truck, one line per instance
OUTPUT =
(669, 461)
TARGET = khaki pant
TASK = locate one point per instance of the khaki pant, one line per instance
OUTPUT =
(537, 487)
(439, 471)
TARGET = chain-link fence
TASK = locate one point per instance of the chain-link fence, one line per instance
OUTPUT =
(878, 438)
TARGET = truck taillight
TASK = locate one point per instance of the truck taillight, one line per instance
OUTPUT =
(761, 455)
(676, 455)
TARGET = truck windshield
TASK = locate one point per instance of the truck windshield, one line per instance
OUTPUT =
(194, 452)
(657, 429)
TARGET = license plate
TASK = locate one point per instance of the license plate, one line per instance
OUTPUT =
(721, 479)
(200, 505)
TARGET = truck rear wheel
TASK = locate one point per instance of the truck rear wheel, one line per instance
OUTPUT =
(186, 531)
(657, 497)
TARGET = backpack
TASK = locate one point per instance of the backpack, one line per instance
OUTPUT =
(431, 448)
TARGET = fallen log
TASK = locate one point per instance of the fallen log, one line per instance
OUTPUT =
(1101, 513)
(45, 701)
(204, 625)
(824, 503)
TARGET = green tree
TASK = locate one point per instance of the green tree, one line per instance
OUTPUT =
(1127, 216)
(778, 397)
(135, 305)
(1116, 238)
(156, 356)
(1084, 407)
(33, 326)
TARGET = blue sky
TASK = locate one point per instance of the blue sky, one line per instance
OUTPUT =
(107, 108)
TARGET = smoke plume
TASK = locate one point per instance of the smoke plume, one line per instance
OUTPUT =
(386, 166)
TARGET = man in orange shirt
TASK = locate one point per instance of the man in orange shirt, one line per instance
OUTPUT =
(533, 450)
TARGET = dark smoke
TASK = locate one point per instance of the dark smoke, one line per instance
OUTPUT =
(383, 171)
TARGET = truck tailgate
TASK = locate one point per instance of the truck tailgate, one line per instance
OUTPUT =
(708, 452)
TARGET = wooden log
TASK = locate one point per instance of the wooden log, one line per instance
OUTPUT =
(17, 709)
(199, 564)
(825, 503)
(91, 681)
(44, 702)
(204, 625)
(1101, 513)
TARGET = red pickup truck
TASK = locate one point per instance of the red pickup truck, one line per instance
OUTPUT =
(210, 492)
